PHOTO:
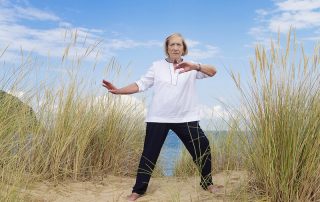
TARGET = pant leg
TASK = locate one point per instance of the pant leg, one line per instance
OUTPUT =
(198, 146)
(156, 134)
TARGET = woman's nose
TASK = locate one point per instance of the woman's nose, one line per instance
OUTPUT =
(175, 47)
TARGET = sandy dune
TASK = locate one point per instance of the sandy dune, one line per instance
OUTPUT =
(114, 188)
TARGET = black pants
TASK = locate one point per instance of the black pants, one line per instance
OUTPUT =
(192, 137)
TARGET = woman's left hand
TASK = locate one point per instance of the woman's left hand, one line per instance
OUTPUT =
(186, 66)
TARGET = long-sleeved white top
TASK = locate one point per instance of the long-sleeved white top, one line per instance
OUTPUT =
(174, 99)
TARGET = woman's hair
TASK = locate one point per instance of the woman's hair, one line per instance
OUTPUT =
(166, 44)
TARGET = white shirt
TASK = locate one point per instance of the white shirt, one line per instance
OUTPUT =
(174, 99)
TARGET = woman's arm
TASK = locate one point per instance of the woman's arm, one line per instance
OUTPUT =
(204, 68)
(130, 89)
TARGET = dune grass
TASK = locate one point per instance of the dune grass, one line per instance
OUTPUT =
(282, 119)
(73, 133)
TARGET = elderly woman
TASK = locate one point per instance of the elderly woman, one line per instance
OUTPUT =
(173, 107)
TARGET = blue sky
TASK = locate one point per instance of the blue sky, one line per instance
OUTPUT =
(222, 33)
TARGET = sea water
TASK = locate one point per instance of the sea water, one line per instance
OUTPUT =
(170, 152)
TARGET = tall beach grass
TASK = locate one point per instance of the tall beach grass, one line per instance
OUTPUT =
(72, 134)
(282, 119)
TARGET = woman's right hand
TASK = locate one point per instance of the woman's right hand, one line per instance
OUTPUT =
(111, 88)
(130, 89)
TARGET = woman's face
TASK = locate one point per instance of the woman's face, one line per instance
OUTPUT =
(175, 48)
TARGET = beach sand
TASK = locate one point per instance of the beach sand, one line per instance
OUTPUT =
(113, 188)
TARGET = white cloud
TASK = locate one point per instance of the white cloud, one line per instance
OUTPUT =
(299, 20)
(65, 24)
(58, 39)
(207, 52)
(192, 43)
(51, 41)
(199, 51)
(262, 12)
(298, 5)
(215, 112)
(128, 43)
(35, 14)
(215, 118)
(297, 14)
(315, 38)
(257, 32)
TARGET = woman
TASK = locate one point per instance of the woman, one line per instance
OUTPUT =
(173, 107)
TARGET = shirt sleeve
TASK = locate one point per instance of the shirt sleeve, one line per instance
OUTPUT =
(201, 75)
(146, 81)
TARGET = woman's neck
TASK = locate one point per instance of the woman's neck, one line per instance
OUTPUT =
(174, 60)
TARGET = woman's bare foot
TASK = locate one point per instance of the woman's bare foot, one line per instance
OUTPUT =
(214, 188)
(133, 196)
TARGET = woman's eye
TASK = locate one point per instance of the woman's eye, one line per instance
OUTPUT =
(177, 44)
